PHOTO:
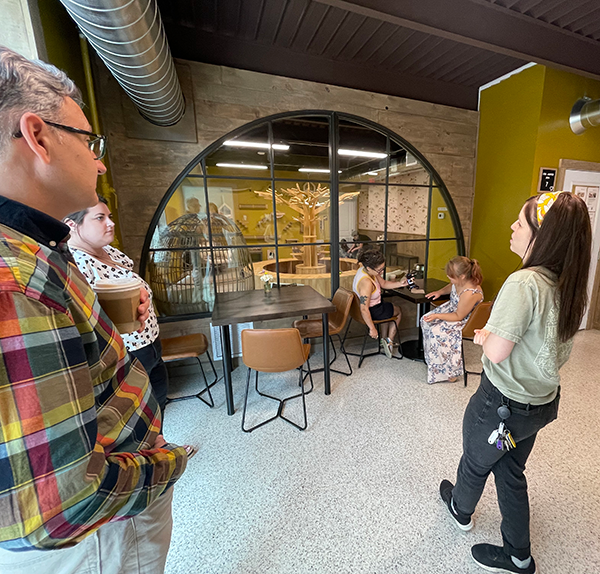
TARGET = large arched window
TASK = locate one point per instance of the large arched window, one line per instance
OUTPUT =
(295, 195)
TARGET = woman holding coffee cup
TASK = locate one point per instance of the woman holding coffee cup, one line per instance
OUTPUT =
(110, 273)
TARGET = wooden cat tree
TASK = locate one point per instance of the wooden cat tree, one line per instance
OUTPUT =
(308, 202)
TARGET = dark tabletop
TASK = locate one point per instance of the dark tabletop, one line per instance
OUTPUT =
(245, 306)
(428, 285)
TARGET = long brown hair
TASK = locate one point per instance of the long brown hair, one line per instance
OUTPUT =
(563, 244)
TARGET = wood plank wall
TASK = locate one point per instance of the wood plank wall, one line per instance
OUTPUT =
(226, 98)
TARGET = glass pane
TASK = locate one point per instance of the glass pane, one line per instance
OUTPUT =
(179, 267)
(440, 252)
(440, 221)
(246, 155)
(406, 169)
(188, 198)
(362, 153)
(248, 204)
(197, 170)
(301, 148)
(402, 257)
(407, 212)
(362, 213)
(303, 211)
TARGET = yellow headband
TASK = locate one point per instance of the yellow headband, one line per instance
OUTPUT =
(544, 203)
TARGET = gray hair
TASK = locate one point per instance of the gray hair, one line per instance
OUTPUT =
(30, 86)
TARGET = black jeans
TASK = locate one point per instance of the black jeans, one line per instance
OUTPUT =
(480, 458)
(151, 358)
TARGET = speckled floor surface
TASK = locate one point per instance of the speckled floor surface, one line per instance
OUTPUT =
(357, 492)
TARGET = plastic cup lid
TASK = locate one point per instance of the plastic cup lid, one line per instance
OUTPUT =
(121, 284)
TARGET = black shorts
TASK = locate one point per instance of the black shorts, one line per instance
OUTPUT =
(382, 311)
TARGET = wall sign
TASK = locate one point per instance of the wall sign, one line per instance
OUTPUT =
(547, 179)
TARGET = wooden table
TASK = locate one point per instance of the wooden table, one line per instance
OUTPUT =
(246, 306)
(414, 349)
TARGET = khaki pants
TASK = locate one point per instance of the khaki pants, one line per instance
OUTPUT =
(138, 545)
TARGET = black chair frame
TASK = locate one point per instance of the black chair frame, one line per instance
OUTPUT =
(362, 351)
(462, 350)
(281, 402)
(333, 360)
(210, 402)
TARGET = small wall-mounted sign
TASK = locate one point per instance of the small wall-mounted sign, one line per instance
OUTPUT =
(547, 179)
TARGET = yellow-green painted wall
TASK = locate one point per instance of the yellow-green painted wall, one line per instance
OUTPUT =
(555, 140)
(508, 127)
(62, 42)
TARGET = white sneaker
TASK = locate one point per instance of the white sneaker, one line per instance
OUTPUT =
(388, 348)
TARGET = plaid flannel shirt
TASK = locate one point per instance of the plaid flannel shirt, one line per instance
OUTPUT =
(78, 418)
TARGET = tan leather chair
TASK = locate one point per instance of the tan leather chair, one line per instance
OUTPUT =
(258, 354)
(312, 328)
(190, 347)
(479, 317)
(356, 315)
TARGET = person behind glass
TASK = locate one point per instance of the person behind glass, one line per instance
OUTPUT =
(442, 327)
(368, 284)
(92, 231)
(527, 339)
(355, 249)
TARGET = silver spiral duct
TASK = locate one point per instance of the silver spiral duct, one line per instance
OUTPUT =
(129, 37)
(585, 114)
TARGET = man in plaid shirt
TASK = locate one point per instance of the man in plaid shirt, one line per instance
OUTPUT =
(85, 479)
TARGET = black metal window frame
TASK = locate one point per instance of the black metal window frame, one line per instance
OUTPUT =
(435, 182)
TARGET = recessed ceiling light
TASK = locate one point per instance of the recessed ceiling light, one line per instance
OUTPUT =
(360, 153)
(260, 145)
(242, 166)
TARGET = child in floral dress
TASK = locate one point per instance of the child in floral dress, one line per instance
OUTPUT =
(442, 327)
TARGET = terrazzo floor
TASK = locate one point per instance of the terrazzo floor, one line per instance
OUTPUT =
(357, 492)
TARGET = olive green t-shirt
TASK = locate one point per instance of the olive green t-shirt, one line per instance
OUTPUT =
(525, 312)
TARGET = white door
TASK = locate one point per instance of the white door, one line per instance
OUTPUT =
(586, 184)
(348, 219)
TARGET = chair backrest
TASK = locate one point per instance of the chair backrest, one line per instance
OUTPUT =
(355, 310)
(479, 317)
(343, 302)
(272, 350)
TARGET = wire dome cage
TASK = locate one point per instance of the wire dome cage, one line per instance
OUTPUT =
(184, 269)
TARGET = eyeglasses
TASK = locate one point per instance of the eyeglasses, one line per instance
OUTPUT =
(379, 271)
(96, 143)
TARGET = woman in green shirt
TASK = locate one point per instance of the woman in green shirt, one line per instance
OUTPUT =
(527, 339)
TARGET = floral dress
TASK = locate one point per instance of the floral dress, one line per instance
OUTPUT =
(442, 341)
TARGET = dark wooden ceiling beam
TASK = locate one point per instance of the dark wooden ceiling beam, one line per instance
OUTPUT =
(491, 27)
(227, 51)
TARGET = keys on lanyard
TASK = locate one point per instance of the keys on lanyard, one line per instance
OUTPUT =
(501, 436)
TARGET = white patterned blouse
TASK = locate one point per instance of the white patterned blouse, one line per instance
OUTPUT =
(93, 269)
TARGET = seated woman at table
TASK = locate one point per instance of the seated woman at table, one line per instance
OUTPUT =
(92, 230)
(442, 327)
(368, 283)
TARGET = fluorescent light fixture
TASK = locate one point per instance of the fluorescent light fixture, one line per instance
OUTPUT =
(260, 145)
(243, 165)
(360, 153)
(312, 170)
(371, 173)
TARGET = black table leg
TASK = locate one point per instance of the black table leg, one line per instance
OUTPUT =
(414, 349)
(326, 372)
(226, 350)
